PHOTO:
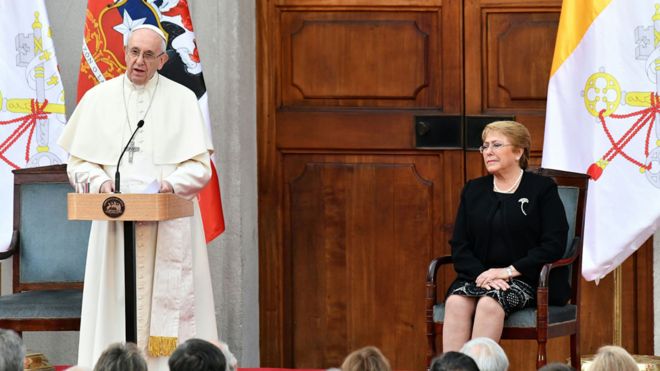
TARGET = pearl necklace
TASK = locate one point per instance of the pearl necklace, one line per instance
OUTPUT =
(510, 190)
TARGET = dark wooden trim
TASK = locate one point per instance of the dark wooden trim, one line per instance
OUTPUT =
(41, 174)
(49, 286)
(13, 246)
(643, 299)
(274, 350)
(42, 324)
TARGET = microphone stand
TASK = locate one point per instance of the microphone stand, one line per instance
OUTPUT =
(130, 310)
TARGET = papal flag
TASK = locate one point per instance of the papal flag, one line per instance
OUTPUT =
(603, 118)
(31, 99)
(107, 26)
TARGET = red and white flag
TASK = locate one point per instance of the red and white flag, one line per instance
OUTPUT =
(107, 26)
(603, 118)
(31, 99)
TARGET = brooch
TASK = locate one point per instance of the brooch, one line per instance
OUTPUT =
(523, 201)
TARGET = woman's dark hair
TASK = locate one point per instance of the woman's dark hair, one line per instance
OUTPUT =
(454, 361)
(197, 355)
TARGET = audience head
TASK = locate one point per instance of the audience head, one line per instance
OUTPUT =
(454, 361)
(121, 357)
(488, 355)
(12, 351)
(557, 366)
(197, 355)
(232, 363)
(612, 357)
(366, 359)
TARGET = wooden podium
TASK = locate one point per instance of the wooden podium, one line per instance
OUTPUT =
(129, 208)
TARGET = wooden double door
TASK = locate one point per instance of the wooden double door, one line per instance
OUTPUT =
(369, 115)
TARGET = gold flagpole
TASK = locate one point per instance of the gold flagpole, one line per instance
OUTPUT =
(618, 297)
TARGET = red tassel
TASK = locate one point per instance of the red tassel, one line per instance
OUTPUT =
(595, 171)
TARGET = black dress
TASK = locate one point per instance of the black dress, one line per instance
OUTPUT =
(520, 294)
(526, 229)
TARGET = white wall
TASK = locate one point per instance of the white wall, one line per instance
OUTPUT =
(225, 33)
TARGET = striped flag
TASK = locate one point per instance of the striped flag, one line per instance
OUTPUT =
(31, 99)
(603, 119)
(107, 26)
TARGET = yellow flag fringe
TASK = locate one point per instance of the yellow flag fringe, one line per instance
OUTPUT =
(161, 346)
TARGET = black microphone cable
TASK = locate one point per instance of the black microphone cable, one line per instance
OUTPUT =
(139, 125)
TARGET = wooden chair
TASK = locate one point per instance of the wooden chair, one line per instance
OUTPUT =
(544, 321)
(48, 253)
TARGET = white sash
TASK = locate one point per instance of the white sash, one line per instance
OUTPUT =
(173, 298)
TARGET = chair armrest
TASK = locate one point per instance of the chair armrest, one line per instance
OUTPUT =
(431, 281)
(13, 246)
(430, 301)
(545, 271)
(434, 265)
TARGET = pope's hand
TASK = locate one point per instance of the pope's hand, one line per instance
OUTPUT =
(166, 187)
(107, 187)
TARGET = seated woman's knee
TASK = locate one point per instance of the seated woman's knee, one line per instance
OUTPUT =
(460, 303)
(490, 306)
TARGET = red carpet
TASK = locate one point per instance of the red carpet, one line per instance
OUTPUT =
(62, 368)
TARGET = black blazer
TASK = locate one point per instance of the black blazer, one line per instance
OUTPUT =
(535, 230)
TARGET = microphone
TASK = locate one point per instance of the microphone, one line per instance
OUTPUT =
(139, 125)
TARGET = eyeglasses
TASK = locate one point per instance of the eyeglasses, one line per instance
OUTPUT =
(495, 147)
(148, 56)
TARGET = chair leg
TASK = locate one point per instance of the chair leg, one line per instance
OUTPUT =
(575, 351)
(429, 303)
(431, 337)
(438, 331)
(541, 359)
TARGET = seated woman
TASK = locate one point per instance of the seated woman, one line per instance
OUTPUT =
(509, 224)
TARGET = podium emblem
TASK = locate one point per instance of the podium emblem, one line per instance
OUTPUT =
(113, 207)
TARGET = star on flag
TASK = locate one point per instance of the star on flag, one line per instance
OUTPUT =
(128, 25)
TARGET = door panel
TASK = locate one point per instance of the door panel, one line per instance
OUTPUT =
(518, 56)
(321, 130)
(362, 41)
(353, 58)
(350, 211)
(508, 53)
(361, 228)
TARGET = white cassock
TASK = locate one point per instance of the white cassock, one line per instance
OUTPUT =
(174, 294)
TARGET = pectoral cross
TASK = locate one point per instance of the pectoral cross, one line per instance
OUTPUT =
(132, 148)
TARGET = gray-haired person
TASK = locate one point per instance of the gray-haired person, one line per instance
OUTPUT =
(487, 353)
(121, 357)
(12, 351)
